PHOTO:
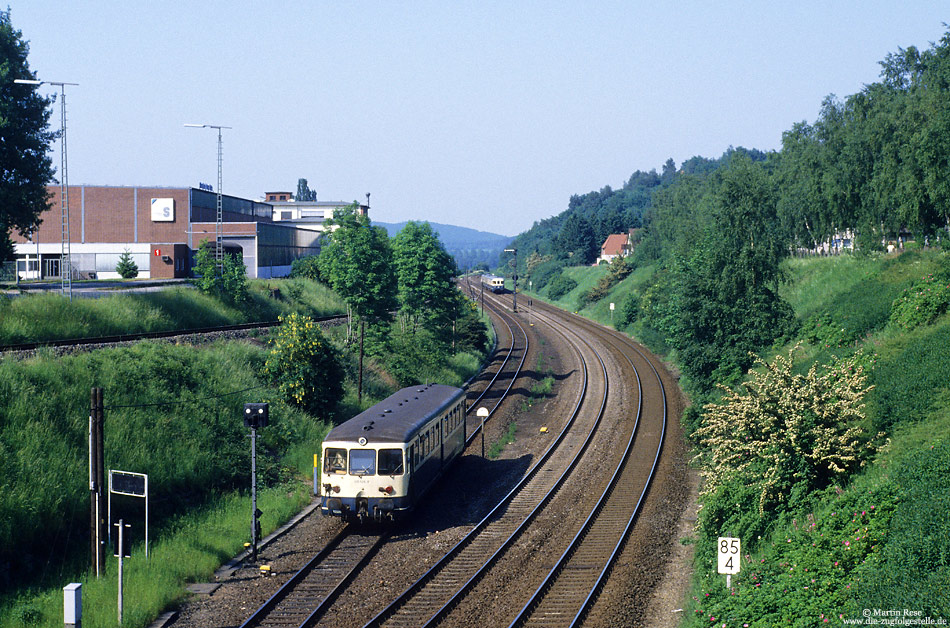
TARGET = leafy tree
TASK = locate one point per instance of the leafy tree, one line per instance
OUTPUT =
(127, 268)
(357, 262)
(424, 273)
(723, 302)
(304, 193)
(304, 366)
(578, 241)
(24, 141)
(469, 329)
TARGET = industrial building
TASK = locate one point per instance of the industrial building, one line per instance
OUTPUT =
(161, 228)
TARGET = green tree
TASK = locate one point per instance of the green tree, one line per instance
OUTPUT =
(723, 299)
(424, 273)
(307, 267)
(577, 240)
(357, 262)
(24, 141)
(127, 268)
(304, 193)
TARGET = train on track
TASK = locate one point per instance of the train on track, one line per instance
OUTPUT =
(494, 283)
(379, 464)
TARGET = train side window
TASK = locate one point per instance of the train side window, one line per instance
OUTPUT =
(334, 460)
(390, 462)
(412, 457)
(362, 462)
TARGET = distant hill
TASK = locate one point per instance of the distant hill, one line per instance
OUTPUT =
(468, 246)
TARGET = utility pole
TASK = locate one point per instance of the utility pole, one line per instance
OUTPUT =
(97, 504)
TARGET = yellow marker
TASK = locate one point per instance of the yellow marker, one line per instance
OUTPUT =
(315, 465)
(544, 429)
(265, 570)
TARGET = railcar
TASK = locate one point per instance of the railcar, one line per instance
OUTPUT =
(494, 283)
(379, 464)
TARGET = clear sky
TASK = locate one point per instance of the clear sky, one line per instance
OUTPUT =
(482, 114)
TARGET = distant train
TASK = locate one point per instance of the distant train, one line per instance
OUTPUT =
(379, 464)
(494, 283)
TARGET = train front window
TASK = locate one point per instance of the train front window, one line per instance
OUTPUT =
(362, 462)
(390, 462)
(334, 460)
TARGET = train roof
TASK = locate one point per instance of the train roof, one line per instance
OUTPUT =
(397, 418)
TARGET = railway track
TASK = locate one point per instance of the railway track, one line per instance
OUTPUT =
(571, 586)
(305, 597)
(437, 592)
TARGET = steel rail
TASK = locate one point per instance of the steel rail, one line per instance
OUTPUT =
(514, 378)
(507, 509)
(535, 603)
(336, 563)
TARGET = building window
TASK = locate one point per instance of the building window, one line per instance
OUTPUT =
(286, 215)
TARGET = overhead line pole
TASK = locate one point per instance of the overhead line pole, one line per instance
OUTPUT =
(66, 265)
(219, 214)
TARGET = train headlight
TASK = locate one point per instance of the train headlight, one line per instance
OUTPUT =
(387, 489)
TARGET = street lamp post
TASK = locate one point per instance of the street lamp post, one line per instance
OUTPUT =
(219, 217)
(66, 266)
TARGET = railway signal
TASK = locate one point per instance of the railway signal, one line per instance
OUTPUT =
(255, 417)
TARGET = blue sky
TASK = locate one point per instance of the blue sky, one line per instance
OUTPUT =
(485, 114)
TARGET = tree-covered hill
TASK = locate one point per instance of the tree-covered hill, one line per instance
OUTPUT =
(803, 295)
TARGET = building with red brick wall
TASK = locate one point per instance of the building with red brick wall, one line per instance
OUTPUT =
(161, 228)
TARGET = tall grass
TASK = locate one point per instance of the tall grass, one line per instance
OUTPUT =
(170, 413)
(53, 317)
(188, 548)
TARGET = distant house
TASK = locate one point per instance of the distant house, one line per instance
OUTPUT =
(617, 245)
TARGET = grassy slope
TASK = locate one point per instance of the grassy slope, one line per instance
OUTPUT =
(53, 317)
(878, 542)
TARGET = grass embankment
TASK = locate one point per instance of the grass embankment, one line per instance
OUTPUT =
(879, 541)
(53, 317)
(172, 412)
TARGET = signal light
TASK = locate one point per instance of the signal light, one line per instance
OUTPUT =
(255, 415)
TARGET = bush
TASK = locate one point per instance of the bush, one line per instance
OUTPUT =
(305, 367)
(921, 303)
(787, 432)
(305, 267)
(560, 287)
(230, 285)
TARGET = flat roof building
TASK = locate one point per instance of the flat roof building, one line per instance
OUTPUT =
(161, 228)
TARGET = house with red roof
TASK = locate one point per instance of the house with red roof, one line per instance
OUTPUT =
(617, 245)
